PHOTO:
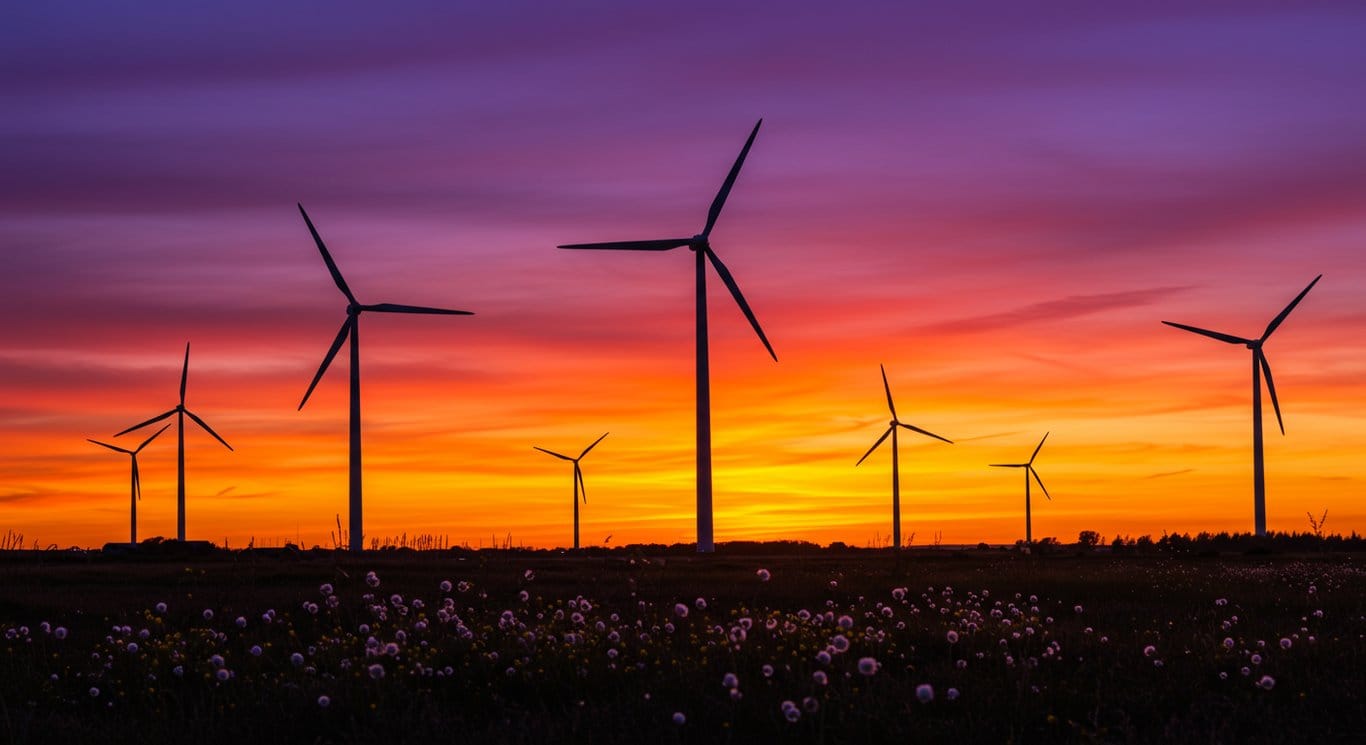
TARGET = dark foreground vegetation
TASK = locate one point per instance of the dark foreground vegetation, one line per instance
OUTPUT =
(757, 643)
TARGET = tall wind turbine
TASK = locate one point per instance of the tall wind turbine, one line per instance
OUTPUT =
(181, 412)
(700, 244)
(350, 329)
(1259, 366)
(1028, 467)
(896, 471)
(579, 487)
(136, 488)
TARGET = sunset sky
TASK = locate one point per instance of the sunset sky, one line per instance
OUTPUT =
(1000, 204)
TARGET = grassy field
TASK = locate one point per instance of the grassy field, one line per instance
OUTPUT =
(830, 647)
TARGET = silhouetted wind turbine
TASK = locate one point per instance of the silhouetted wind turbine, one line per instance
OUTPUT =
(181, 412)
(1259, 366)
(136, 489)
(351, 328)
(579, 487)
(1028, 466)
(896, 471)
(700, 244)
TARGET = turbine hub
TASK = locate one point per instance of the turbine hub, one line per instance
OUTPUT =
(1255, 344)
(353, 309)
(698, 241)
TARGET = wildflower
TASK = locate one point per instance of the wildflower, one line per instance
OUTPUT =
(820, 677)
(951, 694)
(94, 692)
(952, 636)
(1228, 642)
(1077, 609)
(324, 702)
(445, 585)
(216, 660)
(372, 579)
(376, 671)
(763, 575)
(1266, 683)
(1256, 659)
(791, 712)
(961, 664)
(823, 657)
(846, 623)
(1285, 644)
(1149, 651)
(59, 633)
(132, 647)
(730, 681)
(208, 614)
(924, 693)
(325, 589)
(223, 674)
(161, 608)
(1221, 602)
(701, 603)
(840, 643)
(867, 665)
(529, 575)
(679, 719)
(296, 659)
(680, 610)
(811, 705)
(241, 622)
(767, 671)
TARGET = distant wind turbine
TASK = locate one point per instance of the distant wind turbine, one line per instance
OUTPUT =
(896, 472)
(350, 328)
(579, 488)
(136, 488)
(181, 412)
(1259, 366)
(1028, 467)
(700, 244)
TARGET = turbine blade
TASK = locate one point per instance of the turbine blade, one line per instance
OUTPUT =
(552, 452)
(207, 428)
(111, 447)
(327, 259)
(595, 444)
(1270, 387)
(874, 447)
(149, 439)
(1039, 481)
(1276, 322)
(1037, 449)
(925, 432)
(395, 308)
(1008, 465)
(327, 360)
(720, 200)
(184, 373)
(739, 299)
(153, 420)
(583, 488)
(659, 245)
(1230, 338)
(890, 406)
(137, 479)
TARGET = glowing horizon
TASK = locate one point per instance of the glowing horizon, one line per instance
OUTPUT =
(1001, 213)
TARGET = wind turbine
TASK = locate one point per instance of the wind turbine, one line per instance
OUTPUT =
(1028, 466)
(350, 328)
(1259, 366)
(896, 472)
(700, 244)
(579, 487)
(181, 412)
(136, 489)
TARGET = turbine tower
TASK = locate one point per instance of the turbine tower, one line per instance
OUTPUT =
(896, 472)
(136, 488)
(350, 330)
(1028, 466)
(700, 244)
(1259, 366)
(181, 412)
(579, 487)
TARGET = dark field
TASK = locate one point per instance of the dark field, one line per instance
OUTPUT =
(977, 647)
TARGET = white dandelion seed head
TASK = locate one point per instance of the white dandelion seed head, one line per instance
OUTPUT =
(1266, 682)
(324, 702)
(376, 671)
(208, 614)
(764, 575)
(867, 666)
(924, 693)
(729, 680)
(951, 694)
(680, 719)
